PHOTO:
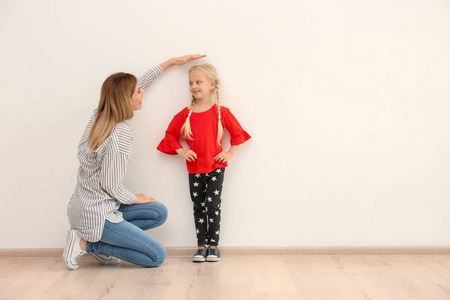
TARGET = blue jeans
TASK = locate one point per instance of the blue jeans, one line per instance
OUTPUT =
(128, 241)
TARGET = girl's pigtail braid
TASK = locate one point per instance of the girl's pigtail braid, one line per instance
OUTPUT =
(219, 123)
(186, 129)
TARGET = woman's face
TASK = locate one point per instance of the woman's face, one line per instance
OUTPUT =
(136, 98)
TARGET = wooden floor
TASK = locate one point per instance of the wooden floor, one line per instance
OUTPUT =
(234, 277)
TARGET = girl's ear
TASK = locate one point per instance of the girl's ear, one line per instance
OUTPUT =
(213, 85)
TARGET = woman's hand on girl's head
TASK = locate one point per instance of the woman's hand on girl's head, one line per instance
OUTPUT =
(141, 199)
(188, 154)
(179, 61)
(187, 58)
(223, 157)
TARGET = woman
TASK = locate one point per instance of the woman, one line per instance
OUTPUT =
(108, 221)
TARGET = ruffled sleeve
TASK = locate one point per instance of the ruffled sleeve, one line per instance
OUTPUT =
(170, 142)
(237, 134)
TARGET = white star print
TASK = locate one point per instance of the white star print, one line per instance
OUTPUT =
(218, 170)
(198, 230)
(207, 174)
(203, 203)
(195, 183)
(194, 194)
(213, 240)
(197, 175)
(201, 221)
(217, 232)
(211, 220)
(214, 178)
(216, 192)
(209, 199)
(217, 212)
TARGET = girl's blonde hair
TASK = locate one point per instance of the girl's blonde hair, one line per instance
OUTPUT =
(212, 76)
(114, 106)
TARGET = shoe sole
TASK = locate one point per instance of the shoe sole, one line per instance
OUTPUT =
(103, 261)
(198, 259)
(213, 259)
(68, 251)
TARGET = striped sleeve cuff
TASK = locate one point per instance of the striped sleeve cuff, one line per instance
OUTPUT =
(147, 78)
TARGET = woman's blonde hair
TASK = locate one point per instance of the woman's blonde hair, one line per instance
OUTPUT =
(212, 76)
(114, 106)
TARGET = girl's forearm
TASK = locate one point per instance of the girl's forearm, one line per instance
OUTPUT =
(233, 149)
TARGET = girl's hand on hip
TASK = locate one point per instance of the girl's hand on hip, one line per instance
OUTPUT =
(141, 199)
(188, 154)
(223, 157)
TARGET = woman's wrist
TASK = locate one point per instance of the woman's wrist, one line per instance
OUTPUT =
(168, 63)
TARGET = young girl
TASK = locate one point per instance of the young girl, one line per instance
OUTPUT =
(202, 127)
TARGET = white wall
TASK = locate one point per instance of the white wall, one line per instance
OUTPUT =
(347, 102)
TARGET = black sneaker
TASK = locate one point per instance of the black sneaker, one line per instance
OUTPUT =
(201, 253)
(214, 254)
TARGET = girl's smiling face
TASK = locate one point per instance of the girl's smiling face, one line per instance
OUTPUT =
(136, 98)
(199, 85)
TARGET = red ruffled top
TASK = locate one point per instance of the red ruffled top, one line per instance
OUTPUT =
(204, 143)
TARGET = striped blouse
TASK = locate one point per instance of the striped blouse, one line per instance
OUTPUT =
(100, 191)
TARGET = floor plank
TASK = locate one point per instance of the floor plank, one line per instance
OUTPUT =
(264, 277)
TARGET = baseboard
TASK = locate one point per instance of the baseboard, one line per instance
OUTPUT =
(187, 251)
(334, 250)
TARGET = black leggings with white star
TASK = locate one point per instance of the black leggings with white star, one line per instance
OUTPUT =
(206, 190)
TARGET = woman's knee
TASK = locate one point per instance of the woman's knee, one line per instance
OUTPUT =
(157, 211)
(157, 257)
(161, 257)
(162, 209)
